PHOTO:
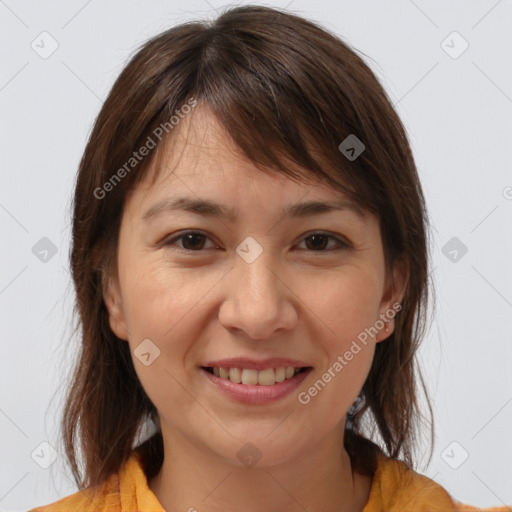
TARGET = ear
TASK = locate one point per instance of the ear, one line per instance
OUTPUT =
(393, 295)
(114, 305)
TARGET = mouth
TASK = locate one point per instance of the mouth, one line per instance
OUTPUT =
(262, 385)
(254, 377)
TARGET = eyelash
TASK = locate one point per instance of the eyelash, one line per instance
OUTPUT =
(341, 245)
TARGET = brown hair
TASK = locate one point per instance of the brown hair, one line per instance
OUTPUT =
(287, 91)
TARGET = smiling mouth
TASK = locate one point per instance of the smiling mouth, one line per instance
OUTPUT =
(252, 377)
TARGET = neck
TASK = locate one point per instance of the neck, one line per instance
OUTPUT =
(193, 478)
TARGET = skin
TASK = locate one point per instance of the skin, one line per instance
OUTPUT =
(208, 303)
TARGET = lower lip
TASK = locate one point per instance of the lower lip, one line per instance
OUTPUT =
(258, 394)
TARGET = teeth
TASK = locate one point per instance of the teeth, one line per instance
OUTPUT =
(266, 377)
(280, 374)
(235, 375)
(250, 377)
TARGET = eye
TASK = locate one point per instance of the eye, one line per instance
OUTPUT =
(191, 241)
(318, 242)
(315, 242)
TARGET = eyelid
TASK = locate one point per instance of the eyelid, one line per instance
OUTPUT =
(342, 244)
(181, 234)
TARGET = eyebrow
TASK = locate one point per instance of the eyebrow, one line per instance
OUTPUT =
(209, 208)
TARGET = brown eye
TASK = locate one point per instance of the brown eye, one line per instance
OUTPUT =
(191, 241)
(316, 242)
(319, 241)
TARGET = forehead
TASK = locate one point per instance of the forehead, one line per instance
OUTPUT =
(200, 158)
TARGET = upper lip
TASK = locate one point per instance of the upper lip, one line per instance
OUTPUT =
(244, 362)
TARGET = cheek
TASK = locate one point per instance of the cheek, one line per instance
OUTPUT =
(345, 303)
(339, 380)
(156, 296)
(167, 306)
(160, 306)
(346, 307)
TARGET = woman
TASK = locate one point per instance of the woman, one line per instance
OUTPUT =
(250, 261)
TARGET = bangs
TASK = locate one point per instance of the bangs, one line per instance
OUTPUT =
(270, 99)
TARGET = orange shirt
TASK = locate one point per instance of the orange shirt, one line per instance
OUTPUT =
(395, 488)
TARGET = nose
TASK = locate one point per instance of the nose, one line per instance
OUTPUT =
(258, 299)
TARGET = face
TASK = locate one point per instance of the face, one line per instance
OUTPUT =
(270, 287)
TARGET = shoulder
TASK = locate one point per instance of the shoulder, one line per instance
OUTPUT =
(98, 499)
(397, 487)
(125, 490)
(461, 507)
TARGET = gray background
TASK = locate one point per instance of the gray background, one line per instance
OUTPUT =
(458, 113)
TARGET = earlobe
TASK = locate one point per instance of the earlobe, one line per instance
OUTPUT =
(386, 331)
(113, 303)
(392, 300)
